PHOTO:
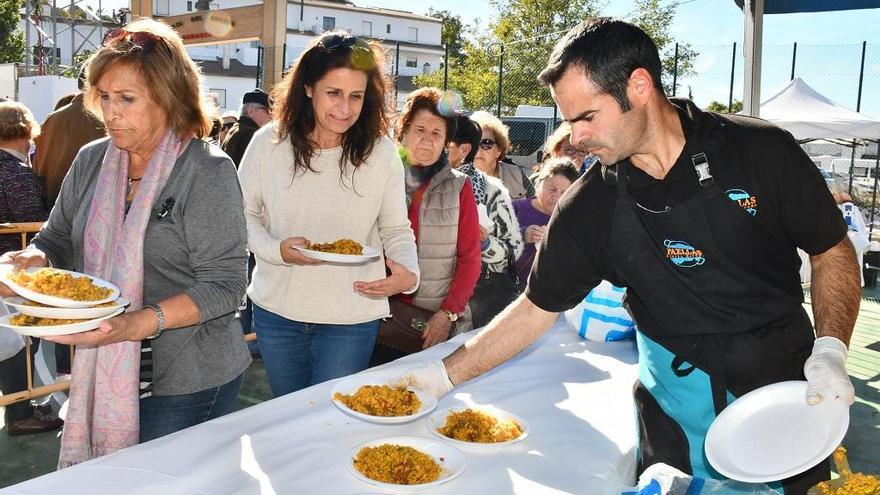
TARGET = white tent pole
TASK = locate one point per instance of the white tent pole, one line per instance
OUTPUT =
(754, 29)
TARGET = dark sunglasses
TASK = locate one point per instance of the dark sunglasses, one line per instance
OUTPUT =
(486, 144)
(338, 41)
(228, 125)
(140, 39)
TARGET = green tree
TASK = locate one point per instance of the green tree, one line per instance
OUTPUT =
(716, 106)
(451, 34)
(528, 30)
(655, 20)
(11, 39)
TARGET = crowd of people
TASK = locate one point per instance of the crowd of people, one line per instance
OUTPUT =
(170, 205)
(172, 202)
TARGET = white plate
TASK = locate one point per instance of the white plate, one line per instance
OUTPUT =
(349, 386)
(369, 254)
(17, 303)
(438, 420)
(452, 462)
(57, 329)
(60, 302)
(771, 433)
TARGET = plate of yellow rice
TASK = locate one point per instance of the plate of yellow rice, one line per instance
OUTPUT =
(406, 463)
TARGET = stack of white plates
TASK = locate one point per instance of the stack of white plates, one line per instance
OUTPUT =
(89, 313)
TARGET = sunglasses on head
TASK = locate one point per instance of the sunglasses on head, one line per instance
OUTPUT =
(340, 41)
(486, 144)
(144, 41)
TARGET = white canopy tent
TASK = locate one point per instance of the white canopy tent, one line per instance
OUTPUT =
(753, 25)
(807, 114)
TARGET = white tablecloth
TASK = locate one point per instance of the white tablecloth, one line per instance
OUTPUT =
(574, 395)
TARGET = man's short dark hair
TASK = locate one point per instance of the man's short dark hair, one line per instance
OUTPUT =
(468, 132)
(608, 50)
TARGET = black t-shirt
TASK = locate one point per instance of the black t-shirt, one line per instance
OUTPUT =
(756, 164)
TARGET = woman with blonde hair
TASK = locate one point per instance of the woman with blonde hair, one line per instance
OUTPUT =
(494, 144)
(325, 170)
(156, 210)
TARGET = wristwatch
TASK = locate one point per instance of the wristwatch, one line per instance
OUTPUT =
(160, 315)
(453, 317)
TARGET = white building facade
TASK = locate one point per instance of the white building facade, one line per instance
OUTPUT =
(231, 69)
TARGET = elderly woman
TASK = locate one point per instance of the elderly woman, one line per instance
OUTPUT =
(443, 212)
(554, 178)
(500, 236)
(494, 144)
(157, 211)
(558, 145)
(322, 171)
(21, 197)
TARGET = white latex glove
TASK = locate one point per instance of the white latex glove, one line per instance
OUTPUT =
(431, 378)
(825, 370)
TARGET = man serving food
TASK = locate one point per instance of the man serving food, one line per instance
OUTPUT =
(711, 274)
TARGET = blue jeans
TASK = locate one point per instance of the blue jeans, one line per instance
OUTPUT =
(165, 414)
(298, 355)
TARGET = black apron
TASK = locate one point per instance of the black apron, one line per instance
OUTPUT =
(709, 330)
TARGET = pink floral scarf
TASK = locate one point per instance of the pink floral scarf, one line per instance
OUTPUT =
(102, 415)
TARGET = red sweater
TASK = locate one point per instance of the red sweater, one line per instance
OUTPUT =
(467, 265)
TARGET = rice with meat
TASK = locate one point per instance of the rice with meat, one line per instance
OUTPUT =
(341, 246)
(21, 320)
(381, 400)
(397, 464)
(60, 284)
(478, 427)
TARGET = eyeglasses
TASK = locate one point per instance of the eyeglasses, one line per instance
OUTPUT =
(143, 40)
(228, 125)
(486, 144)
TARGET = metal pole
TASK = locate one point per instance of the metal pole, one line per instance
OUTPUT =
(302, 7)
(732, 72)
(852, 164)
(396, 72)
(27, 38)
(852, 167)
(874, 192)
(446, 68)
(100, 37)
(861, 78)
(675, 71)
(54, 16)
(793, 60)
(259, 64)
(754, 30)
(284, 59)
(500, 80)
(72, 37)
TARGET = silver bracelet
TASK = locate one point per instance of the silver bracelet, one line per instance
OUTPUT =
(160, 315)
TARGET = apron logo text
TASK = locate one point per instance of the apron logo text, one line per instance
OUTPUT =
(745, 200)
(683, 254)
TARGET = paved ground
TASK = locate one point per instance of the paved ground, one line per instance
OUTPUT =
(30, 456)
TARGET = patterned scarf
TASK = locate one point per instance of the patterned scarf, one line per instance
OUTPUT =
(478, 180)
(416, 176)
(102, 415)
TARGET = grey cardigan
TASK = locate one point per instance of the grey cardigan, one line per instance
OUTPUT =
(197, 249)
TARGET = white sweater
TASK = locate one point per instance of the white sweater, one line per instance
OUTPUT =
(322, 206)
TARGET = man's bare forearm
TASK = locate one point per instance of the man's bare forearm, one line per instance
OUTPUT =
(514, 329)
(835, 291)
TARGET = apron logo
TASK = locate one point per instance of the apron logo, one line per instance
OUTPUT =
(683, 254)
(745, 200)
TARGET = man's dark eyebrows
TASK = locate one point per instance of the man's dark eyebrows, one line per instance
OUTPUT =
(581, 116)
